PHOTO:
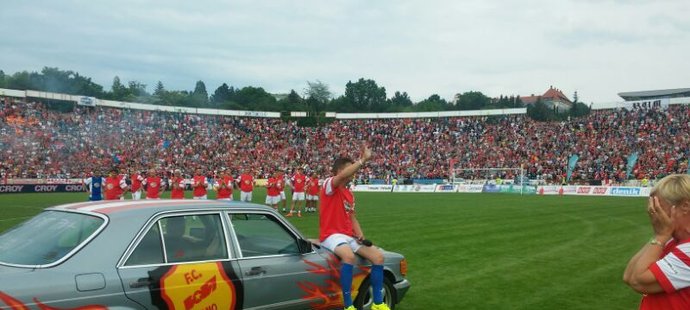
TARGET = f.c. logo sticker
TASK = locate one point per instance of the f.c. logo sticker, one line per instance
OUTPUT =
(199, 286)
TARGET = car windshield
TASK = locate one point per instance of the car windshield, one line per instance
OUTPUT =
(46, 238)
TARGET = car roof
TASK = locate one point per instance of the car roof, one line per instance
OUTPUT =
(149, 207)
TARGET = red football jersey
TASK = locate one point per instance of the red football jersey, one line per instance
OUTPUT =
(313, 186)
(298, 182)
(246, 183)
(114, 187)
(153, 187)
(280, 183)
(671, 298)
(224, 188)
(200, 189)
(177, 193)
(337, 205)
(271, 188)
(136, 181)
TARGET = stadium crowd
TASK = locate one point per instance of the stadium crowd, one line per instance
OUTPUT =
(40, 142)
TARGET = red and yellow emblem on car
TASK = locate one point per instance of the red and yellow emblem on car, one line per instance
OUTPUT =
(198, 286)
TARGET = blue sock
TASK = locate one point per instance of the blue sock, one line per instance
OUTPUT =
(377, 282)
(346, 283)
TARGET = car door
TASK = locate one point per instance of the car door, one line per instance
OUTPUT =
(181, 261)
(275, 272)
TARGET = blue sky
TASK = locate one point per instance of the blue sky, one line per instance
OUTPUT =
(598, 48)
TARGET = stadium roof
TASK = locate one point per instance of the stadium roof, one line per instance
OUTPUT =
(650, 94)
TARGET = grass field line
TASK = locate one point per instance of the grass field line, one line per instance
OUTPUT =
(590, 228)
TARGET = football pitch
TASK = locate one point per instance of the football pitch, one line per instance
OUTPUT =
(481, 251)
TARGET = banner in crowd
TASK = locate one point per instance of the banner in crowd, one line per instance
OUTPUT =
(509, 188)
(86, 101)
(571, 165)
(632, 160)
(43, 181)
(40, 188)
(620, 191)
(414, 188)
(470, 188)
(446, 188)
(648, 104)
(372, 188)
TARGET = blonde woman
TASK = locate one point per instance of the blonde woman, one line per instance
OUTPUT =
(661, 269)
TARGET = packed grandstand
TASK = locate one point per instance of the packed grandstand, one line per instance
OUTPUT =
(39, 142)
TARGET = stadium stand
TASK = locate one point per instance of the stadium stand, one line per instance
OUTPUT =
(40, 142)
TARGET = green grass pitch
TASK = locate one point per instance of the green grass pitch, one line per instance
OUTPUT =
(481, 251)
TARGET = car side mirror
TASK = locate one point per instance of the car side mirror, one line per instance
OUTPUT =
(305, 246)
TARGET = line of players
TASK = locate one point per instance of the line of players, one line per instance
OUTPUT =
(116, 185)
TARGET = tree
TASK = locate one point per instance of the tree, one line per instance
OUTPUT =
(540, 112)
(255, 98)
(200, 94)
(472, 100)
(400, 101)
(319, 91)
(579, 109)
(365, 96)
(2, 79)
(222, 94)
(20, 80)
(137, 89)
(293, 102)
(433, 103)
(117, 90)
(176, 98)
(159, 92)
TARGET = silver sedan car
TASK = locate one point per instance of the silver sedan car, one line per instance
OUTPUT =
(175, 254)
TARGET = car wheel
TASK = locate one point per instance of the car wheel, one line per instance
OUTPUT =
(365, 299)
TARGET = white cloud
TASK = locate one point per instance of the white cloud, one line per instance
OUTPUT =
(598, 48)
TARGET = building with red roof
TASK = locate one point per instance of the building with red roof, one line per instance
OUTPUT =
(553, 97)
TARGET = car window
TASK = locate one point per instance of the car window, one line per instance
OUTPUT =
(47, 237)
(193, 238)
(261, 235)
(149, 250)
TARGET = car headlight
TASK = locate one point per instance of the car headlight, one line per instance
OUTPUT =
(403, 267)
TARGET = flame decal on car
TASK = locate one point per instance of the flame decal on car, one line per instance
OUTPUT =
(329, 295)
(15, 304)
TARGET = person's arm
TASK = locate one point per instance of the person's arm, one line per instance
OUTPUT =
(638, 274)
(123, 186)
(350, 170)
(359, 234)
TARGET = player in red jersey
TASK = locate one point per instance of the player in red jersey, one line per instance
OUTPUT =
(199, 184)
(341, 233)
(273, 192)
(177, 185)
(135, 188)
(224, 186)
(298, 183)
(280, 184)
(312, 192)
(246, 181)
(115, 186)
(154, 185)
